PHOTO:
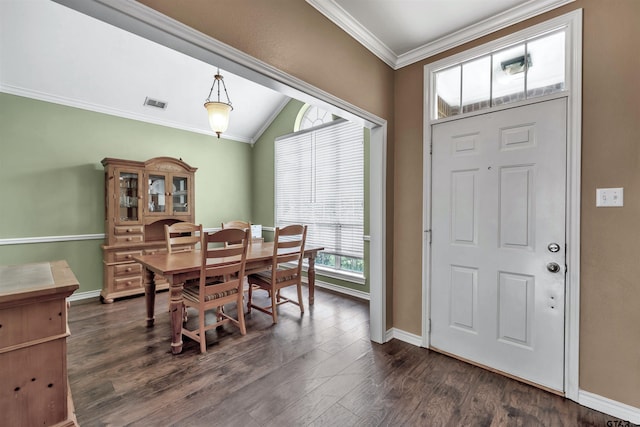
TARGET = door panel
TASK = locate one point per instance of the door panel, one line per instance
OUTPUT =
(498, 200)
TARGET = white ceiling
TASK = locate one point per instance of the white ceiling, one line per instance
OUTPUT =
(402, 32)
(53, 53)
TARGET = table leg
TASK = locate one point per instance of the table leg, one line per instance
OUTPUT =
(177, 316)
(150, 295)
(311, 276)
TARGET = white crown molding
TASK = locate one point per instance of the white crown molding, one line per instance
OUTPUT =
(344, 20)
(269, 120)
(97, 108)
(351, 26)
(482, 28)
(146, 22)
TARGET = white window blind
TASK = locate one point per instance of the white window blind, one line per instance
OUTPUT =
(320, 183)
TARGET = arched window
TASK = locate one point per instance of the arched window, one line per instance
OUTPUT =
(311, 116)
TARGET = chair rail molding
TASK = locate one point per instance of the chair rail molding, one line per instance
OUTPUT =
(50, 239)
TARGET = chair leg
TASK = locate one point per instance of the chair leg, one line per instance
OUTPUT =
(300, 303)
(243, 327)
(249, 294)
(201, 332)
(274, 305)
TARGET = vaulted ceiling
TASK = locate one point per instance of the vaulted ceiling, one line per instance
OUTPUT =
(56, 54)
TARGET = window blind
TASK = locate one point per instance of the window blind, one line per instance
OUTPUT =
(320, 183)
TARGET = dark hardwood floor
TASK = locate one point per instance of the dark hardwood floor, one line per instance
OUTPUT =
(318, 369)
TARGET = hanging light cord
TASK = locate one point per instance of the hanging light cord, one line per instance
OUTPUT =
(218, 79)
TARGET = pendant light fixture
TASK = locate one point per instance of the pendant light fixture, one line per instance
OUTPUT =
(218, 111)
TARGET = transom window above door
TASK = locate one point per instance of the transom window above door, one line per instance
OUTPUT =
(529, 69)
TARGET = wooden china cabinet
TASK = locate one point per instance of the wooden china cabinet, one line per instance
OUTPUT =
(140, 198)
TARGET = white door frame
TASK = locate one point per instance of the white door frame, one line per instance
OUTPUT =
(152, 25)
(572, 23)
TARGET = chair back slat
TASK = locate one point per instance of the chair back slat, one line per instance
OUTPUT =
(288, 244)
(221, 270)
(243, 225)
(182, 236)
(288, 258)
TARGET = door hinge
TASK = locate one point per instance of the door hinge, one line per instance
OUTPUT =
(428, 235)
(428, 326)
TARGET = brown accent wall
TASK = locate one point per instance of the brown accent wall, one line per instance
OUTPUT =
(610, 237)
(292, 36)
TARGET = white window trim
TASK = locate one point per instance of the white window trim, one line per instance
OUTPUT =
(345, 275)
(572, 24)
(321, 270)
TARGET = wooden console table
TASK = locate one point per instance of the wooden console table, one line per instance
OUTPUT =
(34, 389)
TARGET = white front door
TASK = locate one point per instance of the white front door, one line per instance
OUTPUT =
(498, 234)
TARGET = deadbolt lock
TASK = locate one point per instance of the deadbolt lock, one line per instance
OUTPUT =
(553, 247)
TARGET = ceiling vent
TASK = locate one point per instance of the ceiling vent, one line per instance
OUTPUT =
(155, 103)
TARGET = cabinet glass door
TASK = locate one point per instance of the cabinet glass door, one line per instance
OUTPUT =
(157, 194)
(129, 209)
(180, 194)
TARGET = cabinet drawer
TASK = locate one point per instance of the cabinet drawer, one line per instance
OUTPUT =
(126, 283)
(32, 322)
(127, 269)
(128, 229)
(126, 255)
(133, 238)
(34, 385)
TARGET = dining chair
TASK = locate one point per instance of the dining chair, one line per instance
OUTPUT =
(237, 224)
(243, 225)
(182, 236)
(220, 282)
(286, 270)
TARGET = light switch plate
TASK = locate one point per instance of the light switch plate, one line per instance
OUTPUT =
(609, 197)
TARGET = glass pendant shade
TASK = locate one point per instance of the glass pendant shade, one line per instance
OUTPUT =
(218, 116)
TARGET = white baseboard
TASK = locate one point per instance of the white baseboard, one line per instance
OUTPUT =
(77, 296)
(401, 335)
(589, 400)
(610, 407)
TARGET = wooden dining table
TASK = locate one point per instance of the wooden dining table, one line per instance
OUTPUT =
(179, 267)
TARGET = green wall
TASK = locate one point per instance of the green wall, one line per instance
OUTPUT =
(263, 210)
(53, 182)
